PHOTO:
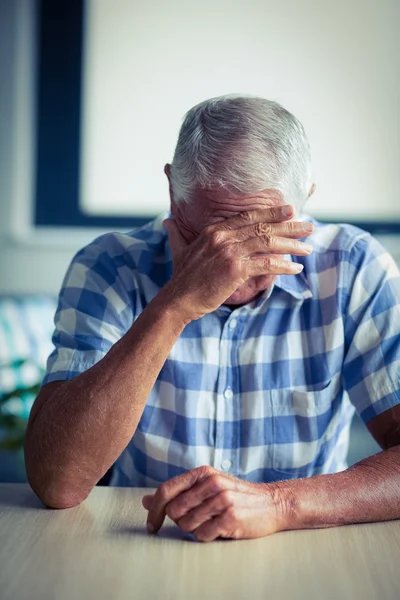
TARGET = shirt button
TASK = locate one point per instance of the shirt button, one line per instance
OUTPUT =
(226, 464)
(228, 394)
(233, 323)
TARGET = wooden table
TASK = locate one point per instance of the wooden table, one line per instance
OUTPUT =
(101, 550)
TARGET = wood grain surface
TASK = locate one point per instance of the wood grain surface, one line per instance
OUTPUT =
(101, 550)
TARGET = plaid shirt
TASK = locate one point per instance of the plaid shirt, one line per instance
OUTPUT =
(266, 391)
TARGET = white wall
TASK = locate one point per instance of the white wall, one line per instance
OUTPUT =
(34, 261)
(334, 64)
(30, 261)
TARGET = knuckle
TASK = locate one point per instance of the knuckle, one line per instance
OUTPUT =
(232, 513)
(237, 534)
(297, 245)
(274, 263)
(227, 498)
(215, 238)
(205, 470)
(185, 525)
(216, 482)
(292, 226)
(275, 214)
(295, 228)
(269, 241)
(262, 229)
(245, 216)
(268, 262)
(183, 503)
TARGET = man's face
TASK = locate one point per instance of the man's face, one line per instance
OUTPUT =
(209, 207)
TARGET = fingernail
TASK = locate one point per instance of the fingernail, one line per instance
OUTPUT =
(150, 527)
(297, 268)
(287, 210)
(307, 226)
(308, 248)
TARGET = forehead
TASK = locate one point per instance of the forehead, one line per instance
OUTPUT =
(211, 206)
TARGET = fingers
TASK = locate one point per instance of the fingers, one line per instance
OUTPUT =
(224, 525)
(206, 510)
(203, 490)
(262, 229)
(273, 245)
(275, 214)
(217, 505)
(262, 236)
(168, 491)
(271, 265)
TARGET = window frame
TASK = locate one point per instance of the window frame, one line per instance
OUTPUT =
(60, 41)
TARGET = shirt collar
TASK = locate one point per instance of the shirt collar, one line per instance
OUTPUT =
(295, 285)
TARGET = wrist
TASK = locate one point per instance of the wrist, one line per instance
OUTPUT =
(176, 304)
(285, 503)
(173, 306)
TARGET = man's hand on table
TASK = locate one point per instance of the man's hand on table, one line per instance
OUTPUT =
(210, 504)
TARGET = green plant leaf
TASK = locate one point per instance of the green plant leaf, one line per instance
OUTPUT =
(11, 422)
(12, 443)
(20, 392)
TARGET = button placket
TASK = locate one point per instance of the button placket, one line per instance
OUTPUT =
(227, 388)
(233, 463)
(220, 416)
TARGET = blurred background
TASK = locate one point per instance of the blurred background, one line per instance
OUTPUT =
(92, 94)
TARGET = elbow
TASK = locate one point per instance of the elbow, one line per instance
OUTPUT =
(50, 490)
(54, 495)
(59, 500)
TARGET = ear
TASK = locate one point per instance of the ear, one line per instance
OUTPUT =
(167, 171)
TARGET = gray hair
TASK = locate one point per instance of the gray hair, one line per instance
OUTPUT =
(242, 144)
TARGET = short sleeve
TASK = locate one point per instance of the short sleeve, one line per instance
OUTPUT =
(95, 309)
(371, 370)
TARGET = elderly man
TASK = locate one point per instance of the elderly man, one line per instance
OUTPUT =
(216, 356)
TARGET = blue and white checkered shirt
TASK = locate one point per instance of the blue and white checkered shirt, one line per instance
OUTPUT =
(266, 391)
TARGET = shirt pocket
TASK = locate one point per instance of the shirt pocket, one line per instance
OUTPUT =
(300, 418)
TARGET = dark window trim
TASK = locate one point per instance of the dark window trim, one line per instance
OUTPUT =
(59, 52)
(60, 44)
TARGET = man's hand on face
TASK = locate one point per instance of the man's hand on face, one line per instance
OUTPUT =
(225, 255)
(210, 504)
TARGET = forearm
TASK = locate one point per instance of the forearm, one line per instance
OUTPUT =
(366, 492)
(79, 432)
